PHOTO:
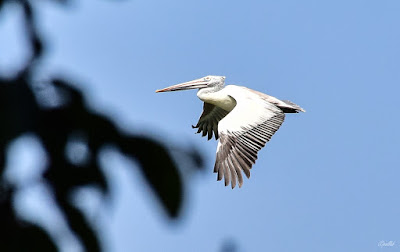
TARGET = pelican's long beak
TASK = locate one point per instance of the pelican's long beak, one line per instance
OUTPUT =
(198, 83)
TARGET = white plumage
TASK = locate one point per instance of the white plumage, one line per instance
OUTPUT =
(242, 119)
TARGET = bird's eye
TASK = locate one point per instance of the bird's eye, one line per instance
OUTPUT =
(207, 78)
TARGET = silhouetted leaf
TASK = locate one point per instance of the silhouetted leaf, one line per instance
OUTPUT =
(31, 31)
(34, 239)
(17, 235)
(79, 225)
(159, 170)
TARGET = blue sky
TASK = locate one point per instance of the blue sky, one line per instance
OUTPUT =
(327, 181)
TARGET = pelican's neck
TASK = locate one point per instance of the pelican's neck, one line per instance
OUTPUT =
(217, 97)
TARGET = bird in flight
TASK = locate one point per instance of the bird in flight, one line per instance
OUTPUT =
(243, 120)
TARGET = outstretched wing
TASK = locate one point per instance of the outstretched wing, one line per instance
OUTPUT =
(285, 105)
(209, 119)
(243, 132)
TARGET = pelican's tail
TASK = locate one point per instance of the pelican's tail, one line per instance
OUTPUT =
(292, 107)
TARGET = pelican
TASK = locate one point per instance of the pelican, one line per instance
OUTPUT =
(243, 120)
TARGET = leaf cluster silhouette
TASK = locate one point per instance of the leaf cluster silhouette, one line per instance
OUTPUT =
(22, 112)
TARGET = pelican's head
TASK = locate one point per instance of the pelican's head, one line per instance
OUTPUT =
(210, 81)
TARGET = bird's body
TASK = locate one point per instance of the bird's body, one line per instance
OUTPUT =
(242, 119)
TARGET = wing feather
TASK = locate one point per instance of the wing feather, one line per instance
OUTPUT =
(240, 140)
(232, 172)
(209, 119)
(242, 163)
